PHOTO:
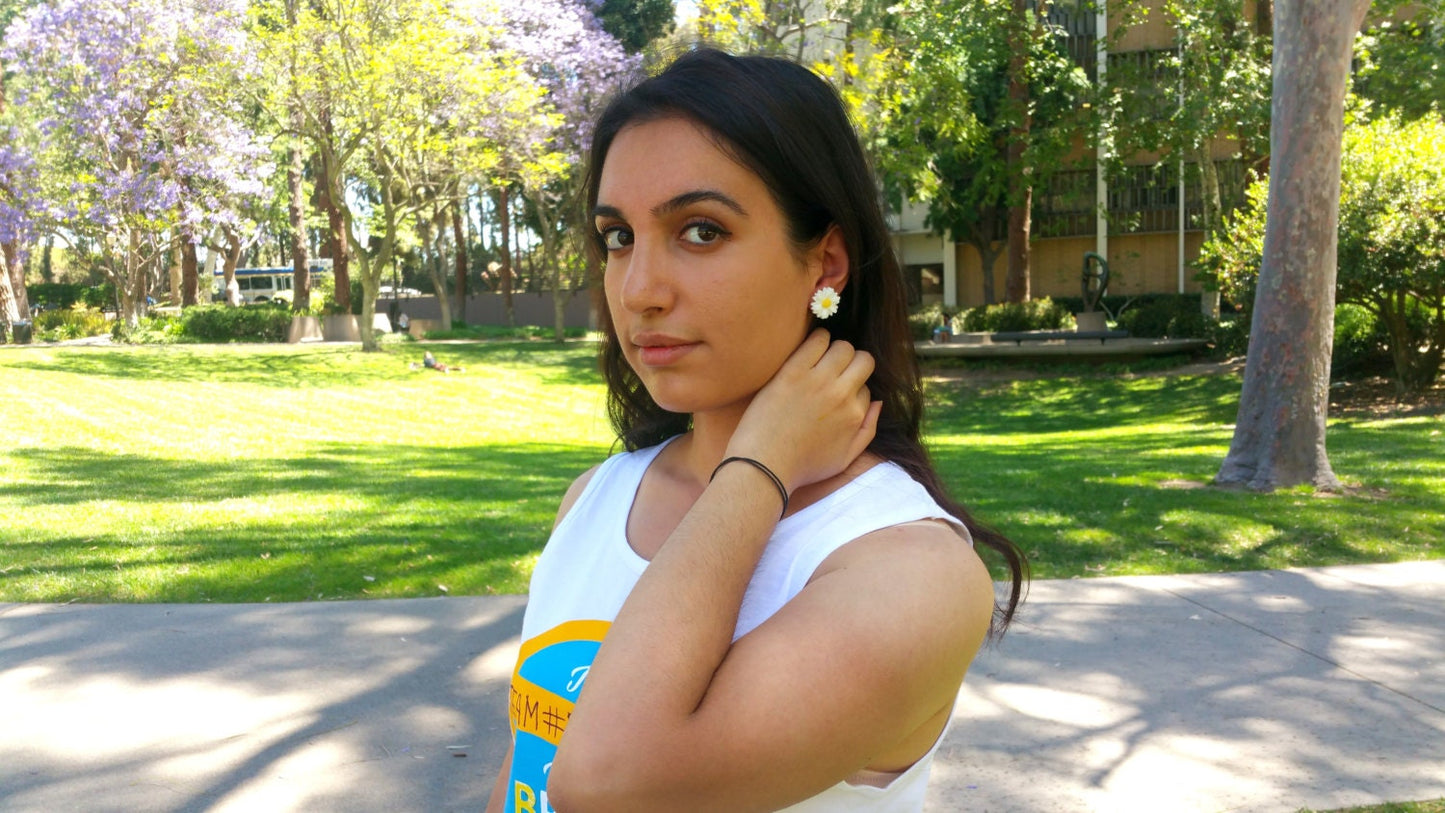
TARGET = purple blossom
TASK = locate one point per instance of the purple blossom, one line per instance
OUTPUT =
(122, 89)
(563, 48)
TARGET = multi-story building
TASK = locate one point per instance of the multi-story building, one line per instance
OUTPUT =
(1141, 218)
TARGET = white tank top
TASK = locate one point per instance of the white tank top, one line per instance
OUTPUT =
(588, 569)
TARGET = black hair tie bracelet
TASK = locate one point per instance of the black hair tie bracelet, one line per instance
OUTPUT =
(782, 490)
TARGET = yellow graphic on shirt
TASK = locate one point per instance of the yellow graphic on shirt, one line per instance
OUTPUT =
(551, 669)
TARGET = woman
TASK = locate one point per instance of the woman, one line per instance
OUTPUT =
(767, 602)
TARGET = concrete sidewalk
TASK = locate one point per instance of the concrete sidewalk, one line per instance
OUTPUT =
(1262, 691)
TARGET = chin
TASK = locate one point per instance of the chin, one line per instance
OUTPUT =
(674, 401)
(689, 400)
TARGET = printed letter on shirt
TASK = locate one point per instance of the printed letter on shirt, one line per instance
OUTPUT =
(551, 669)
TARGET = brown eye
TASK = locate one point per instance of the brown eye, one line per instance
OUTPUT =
(616, 238)
(703, 234)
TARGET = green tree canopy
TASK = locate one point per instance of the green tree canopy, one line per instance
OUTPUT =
(1391, 240)
(635, 23)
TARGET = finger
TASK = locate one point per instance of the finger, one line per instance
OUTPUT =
(863, 398)
(866, 430)
(814, 347)
(860, 366)
(834, 362)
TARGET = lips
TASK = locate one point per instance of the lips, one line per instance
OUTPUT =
(660, 350)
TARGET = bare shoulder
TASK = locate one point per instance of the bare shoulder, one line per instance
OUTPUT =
(923, 544)
(865, 662)
(925, 570)
(573, 492)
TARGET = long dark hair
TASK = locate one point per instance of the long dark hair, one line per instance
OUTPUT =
(788, 125)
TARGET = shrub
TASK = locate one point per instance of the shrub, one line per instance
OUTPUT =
(60, 295)
(1230, 337)
(922, 322)
(1011, 317)
(1391, 241)
(1360, 346)
(219, 323)
(1175, 316)
(74, 322)
(323, 295)
(156, 330)
(1229, 261)
(356, 296)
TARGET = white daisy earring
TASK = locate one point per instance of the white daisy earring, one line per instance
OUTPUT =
(825, 302)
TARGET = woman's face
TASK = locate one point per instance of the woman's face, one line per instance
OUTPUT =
(707, 294)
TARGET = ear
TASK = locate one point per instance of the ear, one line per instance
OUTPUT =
(828, 260)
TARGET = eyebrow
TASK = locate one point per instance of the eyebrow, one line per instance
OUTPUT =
(676, 202)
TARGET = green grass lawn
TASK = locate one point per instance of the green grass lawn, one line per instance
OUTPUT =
(1110, 475)
(255, 473)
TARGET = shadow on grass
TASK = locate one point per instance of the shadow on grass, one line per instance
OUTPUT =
(311, 366)
(1143, 504)
(400, 474)
(334, 522)
(1077, 405)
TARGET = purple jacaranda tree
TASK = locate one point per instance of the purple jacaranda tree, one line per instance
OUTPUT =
(135, 95)
(20, 202)
(563, 46)
(21, 208)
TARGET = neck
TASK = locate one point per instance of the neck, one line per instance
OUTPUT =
(707, 443)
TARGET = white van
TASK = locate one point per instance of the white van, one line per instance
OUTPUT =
(266, 284)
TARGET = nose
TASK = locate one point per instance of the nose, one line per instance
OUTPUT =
(646, 279)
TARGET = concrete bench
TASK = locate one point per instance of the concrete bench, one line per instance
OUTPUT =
(1019, 337)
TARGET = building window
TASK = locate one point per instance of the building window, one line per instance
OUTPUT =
(1145, 199)
(1064, 207)
(1073, 22)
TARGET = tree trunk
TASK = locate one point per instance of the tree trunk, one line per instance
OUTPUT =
(9, 304)
(431, 248)
(988, 259)
(504, 217)
(337, 245)
(229, 261)
(374, 261)
(190, 268)
(559, 313)
(14, 304)
(981, 238)
(176, 285)
(208, 273)
(1016, 284)
(1279, 435)
(296, 215)
(459, 237)
(296, 206)
(1021, 193)
(47, 269)
(370, 287)
(133, 286)
(1210, 200)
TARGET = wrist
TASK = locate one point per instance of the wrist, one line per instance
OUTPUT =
(756, 465)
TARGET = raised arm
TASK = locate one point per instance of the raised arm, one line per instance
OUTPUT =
(674, 715)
